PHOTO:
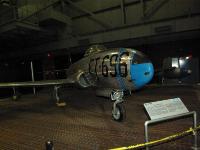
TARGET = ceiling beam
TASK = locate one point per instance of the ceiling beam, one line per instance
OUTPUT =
(40, 10)
(154, 8)
(92, 15)
(123, 11)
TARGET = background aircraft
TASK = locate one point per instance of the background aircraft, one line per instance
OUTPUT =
(113, 72)
(175, 68)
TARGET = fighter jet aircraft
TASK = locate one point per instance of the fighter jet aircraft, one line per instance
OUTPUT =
(112, 72)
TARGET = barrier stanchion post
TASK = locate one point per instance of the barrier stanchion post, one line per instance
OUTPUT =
(146, 133)
(194, 115)
(195, 147)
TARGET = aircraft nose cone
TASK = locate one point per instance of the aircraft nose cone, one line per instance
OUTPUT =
(141, 74)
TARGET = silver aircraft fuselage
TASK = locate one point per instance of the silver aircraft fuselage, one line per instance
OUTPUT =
(113, 69)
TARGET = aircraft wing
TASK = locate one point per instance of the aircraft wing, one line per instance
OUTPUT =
(37, 83)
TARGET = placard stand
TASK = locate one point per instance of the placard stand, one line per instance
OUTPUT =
(188, 114)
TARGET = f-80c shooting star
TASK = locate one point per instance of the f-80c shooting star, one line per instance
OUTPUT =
(112, 71)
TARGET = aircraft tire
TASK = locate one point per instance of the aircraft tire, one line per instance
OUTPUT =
(119, 114)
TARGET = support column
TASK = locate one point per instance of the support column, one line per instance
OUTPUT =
(32, 76)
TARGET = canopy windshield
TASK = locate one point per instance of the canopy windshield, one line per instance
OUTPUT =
(94, 49)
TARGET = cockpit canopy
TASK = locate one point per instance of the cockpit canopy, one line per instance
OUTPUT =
(140, 58)
(94, 49)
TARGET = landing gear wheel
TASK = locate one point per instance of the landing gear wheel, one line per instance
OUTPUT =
(118, 113)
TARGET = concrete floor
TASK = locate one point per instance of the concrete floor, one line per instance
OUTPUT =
(85, 122)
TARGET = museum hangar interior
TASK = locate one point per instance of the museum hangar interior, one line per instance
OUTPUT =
(61, 61)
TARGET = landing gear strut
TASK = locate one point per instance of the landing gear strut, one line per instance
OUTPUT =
(118, 110)
(15, 94)
(58, 103)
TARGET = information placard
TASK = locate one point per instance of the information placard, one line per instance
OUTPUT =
(165, 108)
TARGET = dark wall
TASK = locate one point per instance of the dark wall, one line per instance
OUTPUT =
(157, 52)
(16, 71)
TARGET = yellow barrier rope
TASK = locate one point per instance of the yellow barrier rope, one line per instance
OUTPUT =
(191, 130)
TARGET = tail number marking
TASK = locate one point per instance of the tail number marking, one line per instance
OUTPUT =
(117, 65)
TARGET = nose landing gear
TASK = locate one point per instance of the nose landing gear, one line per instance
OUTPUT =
(118, 110)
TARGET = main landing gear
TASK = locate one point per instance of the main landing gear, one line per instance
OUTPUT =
(118, 110)
(58, 102)
(15, 94)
